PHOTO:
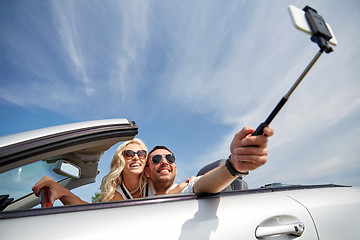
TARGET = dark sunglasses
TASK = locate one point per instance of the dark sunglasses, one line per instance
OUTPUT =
(128, 154)
(157, 158)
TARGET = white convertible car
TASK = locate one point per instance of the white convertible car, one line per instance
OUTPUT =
(71, 154)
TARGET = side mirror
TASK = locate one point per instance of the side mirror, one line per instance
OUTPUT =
(67, 169)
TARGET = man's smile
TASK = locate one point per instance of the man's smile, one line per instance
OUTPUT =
(164, 170)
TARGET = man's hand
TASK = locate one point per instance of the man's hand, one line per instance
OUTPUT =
(249, 152)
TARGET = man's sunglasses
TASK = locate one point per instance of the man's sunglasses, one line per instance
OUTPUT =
(128, 154)
(157, 158)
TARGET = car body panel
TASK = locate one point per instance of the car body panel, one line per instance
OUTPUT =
(221, 216)
(335, 211)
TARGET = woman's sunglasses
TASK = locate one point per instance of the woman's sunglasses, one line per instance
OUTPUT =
(157, 158)
(128, 154)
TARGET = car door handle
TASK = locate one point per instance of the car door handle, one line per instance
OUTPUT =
(296, 229)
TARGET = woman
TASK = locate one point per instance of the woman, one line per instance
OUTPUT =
(126, 179)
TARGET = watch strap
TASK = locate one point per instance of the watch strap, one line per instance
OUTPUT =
(232, 170)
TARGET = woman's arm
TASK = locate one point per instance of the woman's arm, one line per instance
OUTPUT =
(57, 191)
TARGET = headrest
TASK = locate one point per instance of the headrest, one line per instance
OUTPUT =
(237, 184)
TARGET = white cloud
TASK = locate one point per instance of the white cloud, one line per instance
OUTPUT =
(67, 26)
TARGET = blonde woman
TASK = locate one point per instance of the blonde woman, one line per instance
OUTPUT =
(126, 179)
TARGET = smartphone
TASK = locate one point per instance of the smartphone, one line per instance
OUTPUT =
(300, 22)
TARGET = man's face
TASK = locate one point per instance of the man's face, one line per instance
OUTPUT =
(164, 171)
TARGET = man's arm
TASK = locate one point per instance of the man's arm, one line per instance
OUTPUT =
(242, 159)
(57, 191)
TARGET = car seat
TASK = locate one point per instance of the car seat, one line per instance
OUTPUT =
(237, 184)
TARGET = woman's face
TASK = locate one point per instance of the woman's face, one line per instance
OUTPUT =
(134, 164)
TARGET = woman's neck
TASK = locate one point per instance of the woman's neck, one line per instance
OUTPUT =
(131, 182)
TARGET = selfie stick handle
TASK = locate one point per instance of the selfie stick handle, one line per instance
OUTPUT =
(260, 128)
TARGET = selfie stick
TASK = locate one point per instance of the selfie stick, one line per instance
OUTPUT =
(321, 36)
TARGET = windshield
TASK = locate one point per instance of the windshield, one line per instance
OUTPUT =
(19, 181)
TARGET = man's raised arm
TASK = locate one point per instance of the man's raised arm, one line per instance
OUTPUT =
(247, 153)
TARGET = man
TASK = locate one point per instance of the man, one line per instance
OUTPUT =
(247, 153)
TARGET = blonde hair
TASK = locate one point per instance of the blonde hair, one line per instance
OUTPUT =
(114, 177)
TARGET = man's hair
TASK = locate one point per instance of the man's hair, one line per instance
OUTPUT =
(159, 147)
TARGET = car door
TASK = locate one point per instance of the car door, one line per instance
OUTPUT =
(251, 214)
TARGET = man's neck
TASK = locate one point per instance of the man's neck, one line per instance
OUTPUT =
(162, 188)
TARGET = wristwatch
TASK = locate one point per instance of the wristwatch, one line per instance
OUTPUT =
(232, 170)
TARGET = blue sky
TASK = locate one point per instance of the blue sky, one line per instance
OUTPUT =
(190, 74)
